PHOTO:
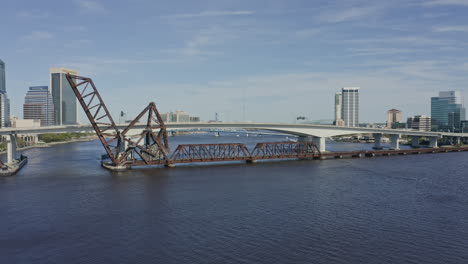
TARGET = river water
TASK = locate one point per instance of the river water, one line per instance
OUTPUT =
(64, 208)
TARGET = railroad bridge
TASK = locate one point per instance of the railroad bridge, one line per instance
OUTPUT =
(145, 140)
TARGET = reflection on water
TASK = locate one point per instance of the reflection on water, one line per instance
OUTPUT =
(64, 208)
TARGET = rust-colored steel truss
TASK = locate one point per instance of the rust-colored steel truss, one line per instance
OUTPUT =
(285, 150)
(151, 146)
(97, 113)
(210, 152)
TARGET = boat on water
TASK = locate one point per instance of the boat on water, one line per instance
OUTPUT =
(9, 169)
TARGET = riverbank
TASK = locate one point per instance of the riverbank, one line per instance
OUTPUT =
(50, 144)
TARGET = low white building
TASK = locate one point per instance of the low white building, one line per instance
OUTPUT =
(21, 123)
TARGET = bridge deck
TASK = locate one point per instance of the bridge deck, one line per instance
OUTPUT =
(280, 150)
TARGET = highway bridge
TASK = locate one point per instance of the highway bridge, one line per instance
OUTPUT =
(144, 141)
(313, 132)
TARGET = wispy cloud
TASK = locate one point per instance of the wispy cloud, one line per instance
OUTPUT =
(305, 33)
(406, 40)
(77, 28)
(451, 29)
(212, 14)
(202, 43)
(32, 14)
(348, 14)
(91, 6)
(445, 2)
(96, 66)
(37, 36)
(78, 44)
(379, 51)
(465, 67)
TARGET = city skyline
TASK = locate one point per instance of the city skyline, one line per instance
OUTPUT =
(204, 57)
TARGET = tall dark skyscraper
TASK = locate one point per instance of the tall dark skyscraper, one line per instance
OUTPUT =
(4, 101)
(65, 102)
(2, 77)
(38, 104)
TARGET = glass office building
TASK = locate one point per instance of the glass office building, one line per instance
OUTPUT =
(447, 111)
(4, 101)
(38, 104)
(2, 77)
(350, 106)
(64, 99)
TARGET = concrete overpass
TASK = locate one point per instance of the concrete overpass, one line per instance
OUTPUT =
(305, 132)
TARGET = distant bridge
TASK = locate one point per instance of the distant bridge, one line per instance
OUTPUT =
(145, 140)
(316, 133)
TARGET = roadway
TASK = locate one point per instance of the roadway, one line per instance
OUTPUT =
(293, 129)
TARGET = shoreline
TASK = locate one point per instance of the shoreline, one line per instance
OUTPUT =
(50, 144)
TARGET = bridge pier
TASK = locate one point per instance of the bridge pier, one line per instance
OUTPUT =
(394, 141)
(123, 145)
(433, 142)
(415, 141)
(11, 148)
(318, 141)
(457, 140)
(377, 140)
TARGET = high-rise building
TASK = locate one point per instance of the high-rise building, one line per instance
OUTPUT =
(38, 104)
(338, 105)
(350, 106)
(179, 117)
(64, 99)
(419, 122)
(2, 77)
(4, 101)
(4, 110)
(447, 111)
(393, 116)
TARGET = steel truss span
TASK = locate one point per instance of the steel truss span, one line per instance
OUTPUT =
(151, 146)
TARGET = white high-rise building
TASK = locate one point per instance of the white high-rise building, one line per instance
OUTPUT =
(338, 103)
(350, 106)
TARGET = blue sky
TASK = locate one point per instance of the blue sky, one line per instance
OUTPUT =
(278, 58)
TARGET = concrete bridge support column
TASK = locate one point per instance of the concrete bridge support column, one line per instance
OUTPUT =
(457, 141)
(377, 140)
(394, 141)
(320, 143)
(433, 142)
(123, 145)
(11, 148)
(415, 141)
